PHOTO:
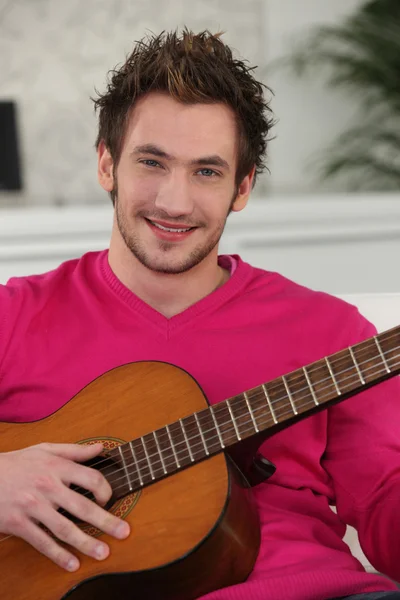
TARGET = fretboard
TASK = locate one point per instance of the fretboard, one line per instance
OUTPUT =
(266, 408)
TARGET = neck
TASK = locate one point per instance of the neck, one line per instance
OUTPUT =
(168, 294)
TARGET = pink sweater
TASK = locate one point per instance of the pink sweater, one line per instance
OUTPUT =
(60, 330)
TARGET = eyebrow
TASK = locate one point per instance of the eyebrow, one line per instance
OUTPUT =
(213, 159)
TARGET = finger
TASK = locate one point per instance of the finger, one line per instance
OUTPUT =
(91, 513)
(68, 532)
(75, 452)
(46, 545)
(89, 479)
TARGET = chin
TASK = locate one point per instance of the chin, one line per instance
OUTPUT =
(168, 267)
(171, 265)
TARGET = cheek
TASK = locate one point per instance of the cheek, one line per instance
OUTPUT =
(135, 190)
(218, 207)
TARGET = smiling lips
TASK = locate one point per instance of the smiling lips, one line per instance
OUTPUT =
(170, 231)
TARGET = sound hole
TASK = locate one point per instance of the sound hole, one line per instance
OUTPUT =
(108, 467)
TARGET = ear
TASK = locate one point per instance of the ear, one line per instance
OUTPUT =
(105, 165)
(244, 191)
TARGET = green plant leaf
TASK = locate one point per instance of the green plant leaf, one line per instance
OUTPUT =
(361, 55)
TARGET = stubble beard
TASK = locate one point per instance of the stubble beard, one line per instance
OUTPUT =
(164, 264)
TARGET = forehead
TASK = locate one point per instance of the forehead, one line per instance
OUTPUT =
(183, 130)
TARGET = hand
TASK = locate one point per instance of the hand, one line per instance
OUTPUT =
(34, 483)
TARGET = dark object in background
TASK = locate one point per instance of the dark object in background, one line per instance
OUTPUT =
(10, 164)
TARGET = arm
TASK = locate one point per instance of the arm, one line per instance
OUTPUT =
(363, 459)
(35, 481)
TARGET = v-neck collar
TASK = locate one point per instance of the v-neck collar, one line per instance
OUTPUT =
(203, 306)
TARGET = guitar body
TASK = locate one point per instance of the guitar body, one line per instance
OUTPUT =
(191, 533)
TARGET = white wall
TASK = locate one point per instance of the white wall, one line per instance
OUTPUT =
(54, 53)
(310, 115)
(339, 244)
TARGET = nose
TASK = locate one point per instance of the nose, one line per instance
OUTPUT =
(173, 196)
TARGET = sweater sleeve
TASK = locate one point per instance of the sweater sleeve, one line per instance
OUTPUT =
(10, 307)
(363, 460)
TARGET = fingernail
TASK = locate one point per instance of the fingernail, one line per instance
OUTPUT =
(73, 565)
(101, 551)
(122, 530)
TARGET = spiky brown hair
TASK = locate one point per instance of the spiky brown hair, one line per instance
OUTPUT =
(192, 68)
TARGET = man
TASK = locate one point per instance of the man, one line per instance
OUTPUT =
(182, 136)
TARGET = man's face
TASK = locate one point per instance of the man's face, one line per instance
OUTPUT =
(175, 182)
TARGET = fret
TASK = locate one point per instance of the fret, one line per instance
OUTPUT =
(166, 453)
(142, 460)
(148, 459)
(328, 364)
(217, 428)
(289, 395)
(269, 403)
(322, 381)
(124, 465)
(233, 420)
(390, 344)
(153, 455)
(381, 354)
(225, 424)
(173, 447)
(356, 366)
(136, 463)
(181, 447)
(186, 439)
(251, 412)
(159, 452)
(300, 392)
(314, 397)
(201, 434)
(207, 420)
(369, 361)
(262, 417)
(240, 412)
(279, 399)
(208, 431)
(345, 375)
(194, 439)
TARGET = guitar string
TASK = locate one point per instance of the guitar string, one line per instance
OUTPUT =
(200, 444)
(162, 436)
(213, 438)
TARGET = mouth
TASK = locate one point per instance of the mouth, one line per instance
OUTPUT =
(169, 231)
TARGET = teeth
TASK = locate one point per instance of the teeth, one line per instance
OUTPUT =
(170, 229)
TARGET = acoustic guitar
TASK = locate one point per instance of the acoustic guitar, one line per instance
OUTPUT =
(181, 473)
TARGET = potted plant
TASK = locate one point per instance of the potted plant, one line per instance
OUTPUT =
(361, 55)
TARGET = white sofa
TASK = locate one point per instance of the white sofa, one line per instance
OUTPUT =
(384, 311)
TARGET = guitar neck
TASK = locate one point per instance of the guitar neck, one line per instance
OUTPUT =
(267, 408)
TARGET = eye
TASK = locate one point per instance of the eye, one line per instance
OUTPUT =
(149, 162)
(208, 172)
